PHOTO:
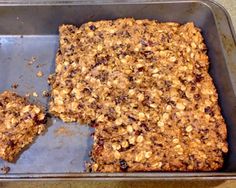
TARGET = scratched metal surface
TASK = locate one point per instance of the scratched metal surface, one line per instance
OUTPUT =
(63, 149)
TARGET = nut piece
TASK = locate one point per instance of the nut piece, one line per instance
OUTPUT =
(39, 74)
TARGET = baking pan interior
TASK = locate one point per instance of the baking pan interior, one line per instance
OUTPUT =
(32, 31)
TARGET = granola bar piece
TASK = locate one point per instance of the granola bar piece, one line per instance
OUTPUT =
(20, 123)
(145, 87)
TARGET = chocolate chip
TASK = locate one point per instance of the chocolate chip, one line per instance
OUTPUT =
(208, 110)
(92, 27)
(101, 61)
(39, 122)
(144, 43)
(126, 34)
(182, 94)
(144, 126)
(131, 118)
(10, 143)
(103, 76)
(123, 165)
(111, 114)
(87, 90)
(138, 132)
(172, 103)
(120, 99)
(193, 88)
(130, 78)
(141, 69)
(198, 78)
(80, 106)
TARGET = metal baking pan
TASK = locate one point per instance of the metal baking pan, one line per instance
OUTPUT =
(31, 30)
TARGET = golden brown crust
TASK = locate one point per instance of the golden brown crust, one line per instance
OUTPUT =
(20, 122)
(145, 86)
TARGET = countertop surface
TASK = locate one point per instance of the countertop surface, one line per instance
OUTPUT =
(230, 6)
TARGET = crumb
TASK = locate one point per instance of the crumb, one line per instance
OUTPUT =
(5, 169)
(27, 94)
(63, 131)
(35, 94)
(14, 86)
(39, 74)
(45, 93)
(31, 61)
(54, 121)
(40, 65)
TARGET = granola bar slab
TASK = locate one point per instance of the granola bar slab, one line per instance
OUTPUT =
(20, 123)
(145, 87)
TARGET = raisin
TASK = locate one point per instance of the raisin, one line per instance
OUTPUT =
(208, 110)
(92, 27)
(123, 165)
(80, 105)
(100, 142)
(10, 143)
